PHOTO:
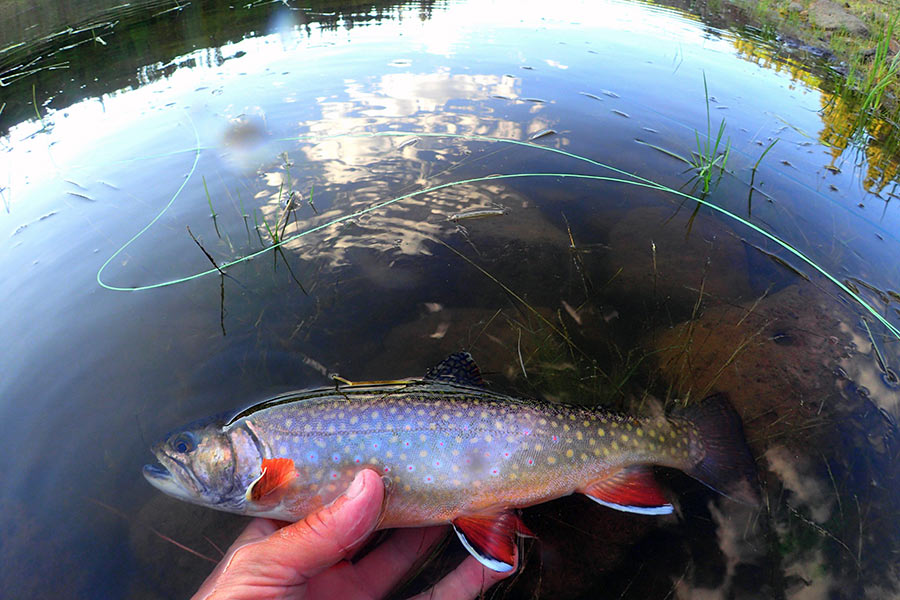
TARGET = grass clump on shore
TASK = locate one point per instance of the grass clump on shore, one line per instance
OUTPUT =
(866, 54)
(878, 75)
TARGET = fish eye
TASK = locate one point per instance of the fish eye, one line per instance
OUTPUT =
(184, 442)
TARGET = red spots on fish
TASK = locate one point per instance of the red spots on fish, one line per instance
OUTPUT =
(530, 461)
(410, 468)
(437, 463)
(555, 438)
(493, 471)
(440, 443)
(506, 454)
(428, 479)
(375, 445)
(334, 475)
(357, 460)
(487, 454)
(387, 469)
(406, 444)
(526, 431)
(335, 458)
(276, 472)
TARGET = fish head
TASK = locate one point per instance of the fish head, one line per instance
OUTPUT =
(204, 463)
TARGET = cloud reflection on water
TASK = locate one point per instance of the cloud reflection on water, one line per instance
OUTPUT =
(349, 174)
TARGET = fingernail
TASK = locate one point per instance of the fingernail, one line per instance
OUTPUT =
(356, 487)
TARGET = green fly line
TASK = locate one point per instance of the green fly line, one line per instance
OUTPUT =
(633, 179)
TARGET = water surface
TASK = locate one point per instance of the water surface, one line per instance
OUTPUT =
(363, 138)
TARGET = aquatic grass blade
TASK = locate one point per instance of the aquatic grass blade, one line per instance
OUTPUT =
(674, 155)
(212, 211)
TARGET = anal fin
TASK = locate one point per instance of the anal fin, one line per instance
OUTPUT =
(632, 489)
(491, 539)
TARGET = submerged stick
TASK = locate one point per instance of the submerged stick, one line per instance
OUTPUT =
(34, 104)
(878, 355)
(208, 255)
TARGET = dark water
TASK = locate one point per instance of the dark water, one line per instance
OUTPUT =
(575, 288)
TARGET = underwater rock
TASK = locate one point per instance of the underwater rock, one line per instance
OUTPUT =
(794, 364)
(775, 359)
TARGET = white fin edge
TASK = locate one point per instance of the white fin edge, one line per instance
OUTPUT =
(248, 495)
(665, 509)
(491, 563)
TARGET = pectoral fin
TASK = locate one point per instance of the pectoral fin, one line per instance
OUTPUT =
(632, 489)
(276, 473)
(491, 539)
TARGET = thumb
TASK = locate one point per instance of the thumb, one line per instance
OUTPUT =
(327, 536)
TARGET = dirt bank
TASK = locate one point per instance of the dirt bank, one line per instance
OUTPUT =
(846, 34)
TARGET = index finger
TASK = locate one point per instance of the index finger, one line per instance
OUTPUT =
(381, 569)
(468, 580)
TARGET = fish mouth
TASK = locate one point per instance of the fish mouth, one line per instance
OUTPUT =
(167, 482)
(156, 472)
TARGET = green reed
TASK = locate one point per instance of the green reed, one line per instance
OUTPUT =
(711, 156)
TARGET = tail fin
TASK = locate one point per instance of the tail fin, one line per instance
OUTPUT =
(727, 466)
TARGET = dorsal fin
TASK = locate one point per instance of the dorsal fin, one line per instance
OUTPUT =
(459, 367)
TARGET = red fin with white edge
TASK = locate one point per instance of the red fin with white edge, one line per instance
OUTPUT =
(632, 489)
(276, 473)
(491, 539)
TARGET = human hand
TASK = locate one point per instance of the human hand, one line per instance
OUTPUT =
(308, 559)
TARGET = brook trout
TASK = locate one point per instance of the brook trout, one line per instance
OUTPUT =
(450, 451)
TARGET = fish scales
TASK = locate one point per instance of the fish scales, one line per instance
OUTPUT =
(446, 450)
(449, 451)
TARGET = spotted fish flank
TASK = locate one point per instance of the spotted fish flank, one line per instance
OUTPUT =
(450, 451)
